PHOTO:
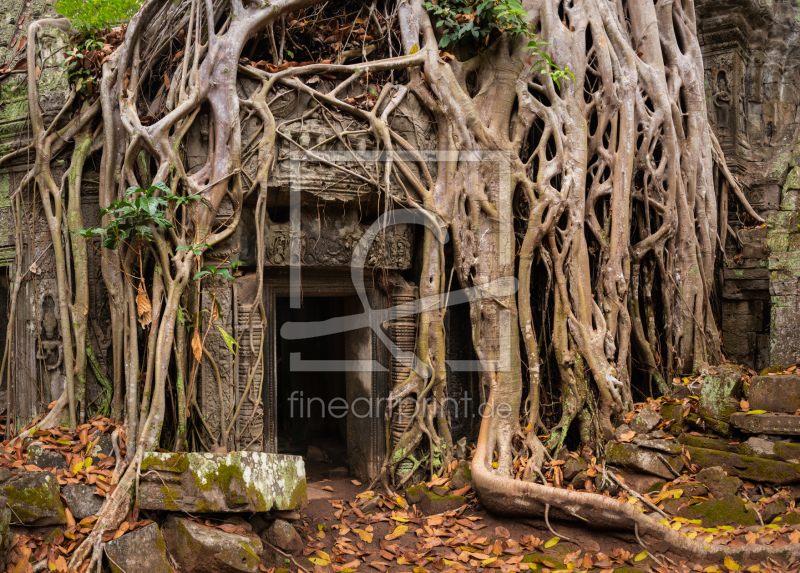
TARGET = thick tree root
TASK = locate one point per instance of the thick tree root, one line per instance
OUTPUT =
(506, 496)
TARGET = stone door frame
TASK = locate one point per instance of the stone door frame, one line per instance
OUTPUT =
(331, 283)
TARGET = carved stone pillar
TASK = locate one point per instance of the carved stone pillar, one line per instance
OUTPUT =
(403, 332)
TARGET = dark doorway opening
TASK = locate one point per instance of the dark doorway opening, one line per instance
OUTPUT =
(312, 405)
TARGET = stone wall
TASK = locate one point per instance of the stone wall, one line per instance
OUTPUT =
(751, 54)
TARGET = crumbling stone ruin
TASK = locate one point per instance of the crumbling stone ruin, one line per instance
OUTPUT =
(719, 448)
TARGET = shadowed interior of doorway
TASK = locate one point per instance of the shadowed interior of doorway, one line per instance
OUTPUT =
(312, 412)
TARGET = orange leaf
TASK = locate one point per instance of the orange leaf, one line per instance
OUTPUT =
(197, 346)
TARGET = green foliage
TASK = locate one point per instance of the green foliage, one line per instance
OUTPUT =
(479, 20)
(133, 216)
(89, 15)
(466, 18)
(217, 272)
(84, 72)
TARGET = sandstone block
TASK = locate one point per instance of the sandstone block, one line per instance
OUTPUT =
(780, 424)
(34, 498)
(206, 550)
(642, 459)
(775, 393)
(746, 467)
(140, 551)
(236, 482)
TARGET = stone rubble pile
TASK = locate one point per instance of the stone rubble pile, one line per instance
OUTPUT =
(723, 449)
(194, 511)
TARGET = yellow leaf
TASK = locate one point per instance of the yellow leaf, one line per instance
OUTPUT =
(550, 543)
(365, 537)
(487, 561)
(755, 412)
(494, 465)
(731, 564)
(399, 531)
(754, 569)
(642, 555)
(414, 49)
(401, 502)
(318, 561)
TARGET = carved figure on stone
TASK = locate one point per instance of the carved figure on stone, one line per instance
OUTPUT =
(52, 351)
(722, 103)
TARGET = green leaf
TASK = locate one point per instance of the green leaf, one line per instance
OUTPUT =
(230, 342)
(754, 412)
(161, 186)
(552, 542)
(641, 556)
(201, 274)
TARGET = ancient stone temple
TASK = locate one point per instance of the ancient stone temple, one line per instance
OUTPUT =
(318, 211)
(750, 54)
(323, 321)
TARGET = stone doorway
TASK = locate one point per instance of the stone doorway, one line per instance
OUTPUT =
(325, 391)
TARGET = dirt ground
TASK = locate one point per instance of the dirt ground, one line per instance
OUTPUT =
(339, 537)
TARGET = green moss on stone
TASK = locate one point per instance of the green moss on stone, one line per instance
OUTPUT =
(777, 369)
(730, 510)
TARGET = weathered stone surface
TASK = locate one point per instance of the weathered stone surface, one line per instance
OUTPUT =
(757, 447)
(775, 393)
(462, 476)
(728, 510)
(718, 482)
(779, 424)
(746, 467)
(772, 510)
(234, 482)
(140, 551)
(81, 499)
(673, 412)
(642, 459)
(34, 498)
(282, 535)
(671, 446)
(573, 467)
(46, 459)
(645, 421)
(707, 442)
(640, 482)
(103, 446)
(432, 504)
(719, 396)
(787, 451)
(5, 534)
(205, 550)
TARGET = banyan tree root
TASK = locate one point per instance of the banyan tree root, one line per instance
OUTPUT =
(506, 496)
(591, 193)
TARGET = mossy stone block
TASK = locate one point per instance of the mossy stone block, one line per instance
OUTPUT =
(720, 394)
(746, 467)
(207, 550)
(34, 498)
(633, 457)
(729, 510)
(140, 551)
(249, 482)
(432, 504)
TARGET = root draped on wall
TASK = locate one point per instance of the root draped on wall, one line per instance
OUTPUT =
(612, 177)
